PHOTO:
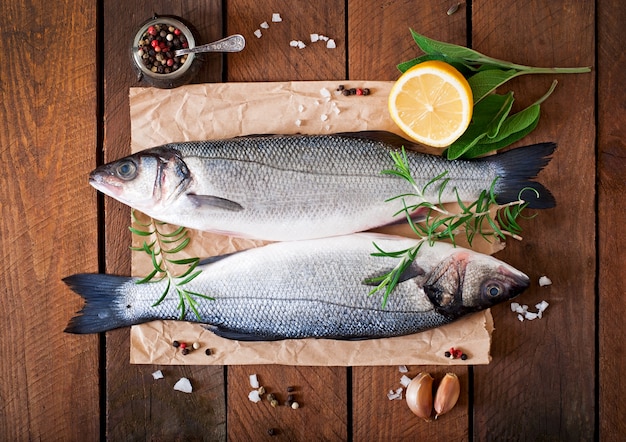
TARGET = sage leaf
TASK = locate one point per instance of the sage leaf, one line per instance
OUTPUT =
(485, 82)
(488, 117)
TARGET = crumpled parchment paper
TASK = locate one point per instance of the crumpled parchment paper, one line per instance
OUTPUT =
(212, 111)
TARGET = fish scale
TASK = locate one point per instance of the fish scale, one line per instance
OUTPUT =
(293, 187)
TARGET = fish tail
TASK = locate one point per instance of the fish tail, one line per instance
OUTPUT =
(517, 168)
(102, 311)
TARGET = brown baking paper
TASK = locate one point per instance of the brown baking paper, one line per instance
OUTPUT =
(212, 111)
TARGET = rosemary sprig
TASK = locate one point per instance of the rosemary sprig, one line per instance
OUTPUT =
(161, 243)
(483, 217)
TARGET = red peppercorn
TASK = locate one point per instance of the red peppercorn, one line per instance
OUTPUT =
(359, 91)
(170, 62)
(183, 345)
(154, 43)
(151, 30)
(177, 31)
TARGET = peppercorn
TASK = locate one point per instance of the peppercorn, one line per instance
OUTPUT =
(290, 389)
(447, 354)
(208, 352)
(366, 91)
(352, 91)
(341, 87)
(183, 345)
(290, 398)
(295, 405)
(464, 357)
(196, 345)
(176, 344)
(359, 91)
(185, 351)
(345, 92)
(271, 431)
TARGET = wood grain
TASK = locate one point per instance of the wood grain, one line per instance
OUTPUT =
(48, 379)
(545, 369)
(138, 407)
(611, 213)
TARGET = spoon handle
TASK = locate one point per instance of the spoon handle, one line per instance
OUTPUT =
(233, 43)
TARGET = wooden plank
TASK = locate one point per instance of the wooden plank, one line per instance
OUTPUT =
(137, 406)
(48, 379)
(611, 213)
(380, 38)
(319, 391)
(270, 58)
(541, 381)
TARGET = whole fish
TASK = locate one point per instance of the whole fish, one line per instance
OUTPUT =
(294, 187)
(311, 288)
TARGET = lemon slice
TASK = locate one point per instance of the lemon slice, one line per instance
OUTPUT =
(432, 103)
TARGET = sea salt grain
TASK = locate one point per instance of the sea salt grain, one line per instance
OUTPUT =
(254, 381)
(157, 374)
(276, 18)
(265, 25)
(254, 396)
(257, 33)
(330, 44)
(395, 395)
(183, 385)
(544, 281)
(314, 38)
(405, 380)
(403, 369)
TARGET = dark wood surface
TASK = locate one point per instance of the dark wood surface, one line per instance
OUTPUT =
(64, 80)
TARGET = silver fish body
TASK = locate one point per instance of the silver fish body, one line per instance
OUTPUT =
(312, 288)
(296, 187)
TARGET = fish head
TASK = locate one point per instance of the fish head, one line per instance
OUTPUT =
(467, 281)
(146, 180)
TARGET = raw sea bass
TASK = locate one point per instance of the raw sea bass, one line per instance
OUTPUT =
(310, 288)
(293, 187)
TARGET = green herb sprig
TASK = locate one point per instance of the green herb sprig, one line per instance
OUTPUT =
(161, 243)
(492, 127)
(483, 217)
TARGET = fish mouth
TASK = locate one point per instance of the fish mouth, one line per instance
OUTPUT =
(100, 182)
(518, 281)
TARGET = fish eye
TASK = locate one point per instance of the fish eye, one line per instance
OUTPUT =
(493, 290)
(126, 170)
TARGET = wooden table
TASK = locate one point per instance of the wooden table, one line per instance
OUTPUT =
(64, 80)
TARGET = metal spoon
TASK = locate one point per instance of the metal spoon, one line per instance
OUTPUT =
(234, 43)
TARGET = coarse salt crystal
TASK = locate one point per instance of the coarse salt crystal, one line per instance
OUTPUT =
(254, 381)
(254, 396)
(257, 33)
(403, 369)
(157, 374)
(323, 117)
(300, 108)
(530, 316)
(276, 18)
(324, 92)
(521, 318)
(542, 306)
(301, 44)
(405, 380)
(544, 281)
(298, 123)
(265, 25)
(330, 44)
(323, 38)
(395, 395)
(514, 306)
(314, 38)
(293, 43)
(183, 385)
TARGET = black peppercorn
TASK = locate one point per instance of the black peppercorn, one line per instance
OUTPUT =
(208, 352)
(185, 351)
(447, 354)
(290, 389)
(464, 356)
(366, 91)
(176, 344)
(341, 87)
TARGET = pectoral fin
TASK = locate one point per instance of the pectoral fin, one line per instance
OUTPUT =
(412, 272)
(215, 202)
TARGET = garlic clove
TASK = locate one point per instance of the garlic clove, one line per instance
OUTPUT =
(447, 394)
(419, 395)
